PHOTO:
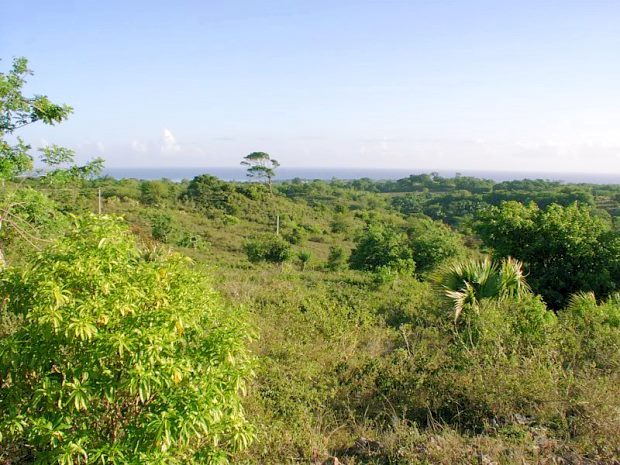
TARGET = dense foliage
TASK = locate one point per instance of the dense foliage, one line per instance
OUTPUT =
(382, 247)
(566, 249)
(343, 355)
(268, 248)
(125, 356)
(433, 243)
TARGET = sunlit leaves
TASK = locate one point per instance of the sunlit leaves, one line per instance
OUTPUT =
(81, 328)
(131, 349)
(79, 396)
(565, 249)
(467, 282)
(17, 111)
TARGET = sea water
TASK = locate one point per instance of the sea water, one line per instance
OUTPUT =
(239, 174)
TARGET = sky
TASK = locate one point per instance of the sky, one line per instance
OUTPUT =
(466, 85)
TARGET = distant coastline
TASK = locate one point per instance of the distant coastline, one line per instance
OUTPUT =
(238, 174)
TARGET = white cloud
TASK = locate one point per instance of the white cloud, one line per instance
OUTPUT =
(100, 147)
(169, 142)
(138, 146)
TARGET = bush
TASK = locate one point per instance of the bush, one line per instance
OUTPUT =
(382, 248)
(192, 241)
(565, 249)
(154, 192)
(591, 333)
(341, 224)
(162, 227)
(125, 356)
(433, 243)
(336, 258)
(296, 236)
(210, 193)
(272, 249)
(303, 256)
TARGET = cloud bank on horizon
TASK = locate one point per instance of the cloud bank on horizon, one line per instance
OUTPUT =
(524, 86)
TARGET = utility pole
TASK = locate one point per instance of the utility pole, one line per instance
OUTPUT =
(99, 199)
(277, 225)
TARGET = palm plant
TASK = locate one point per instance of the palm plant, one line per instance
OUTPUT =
(466, 283)
(512, 279)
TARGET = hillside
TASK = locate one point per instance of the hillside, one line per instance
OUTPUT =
(370, 364)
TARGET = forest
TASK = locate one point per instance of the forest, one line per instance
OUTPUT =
(426, 320)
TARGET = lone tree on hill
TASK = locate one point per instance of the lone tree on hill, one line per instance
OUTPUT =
(261, 166)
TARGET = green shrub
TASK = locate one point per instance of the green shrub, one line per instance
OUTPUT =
(303, 256)
(565, 249)
(382, 248)
(295, 236)
(341, 224)
(192, 241)
(269, 248)
(154, 192)
(591, 332)
(433, 243)
(125, 356)
(162, 227)
(336, 259)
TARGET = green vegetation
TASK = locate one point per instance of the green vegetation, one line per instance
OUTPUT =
(125, 356)
(468, 282)
(382, 248)
(272, 249)
(567, 249)
(433, 243)
(336, 337)
(261, 166)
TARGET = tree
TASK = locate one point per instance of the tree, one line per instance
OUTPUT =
(211, 193)
(17, 111)
(261, 166)
(565, 249)
(432, 243)
(154, 192)
(126, 355)
(382, 247)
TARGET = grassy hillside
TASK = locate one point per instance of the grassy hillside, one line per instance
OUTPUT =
(371, 366)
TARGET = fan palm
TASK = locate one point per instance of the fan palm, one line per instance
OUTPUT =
(467, 283)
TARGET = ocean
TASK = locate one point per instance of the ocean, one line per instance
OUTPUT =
(238, 174)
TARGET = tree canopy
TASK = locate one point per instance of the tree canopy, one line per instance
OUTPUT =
(261, 167)
(565, 249)
(382, 247)
(432, 243)
(17, 111)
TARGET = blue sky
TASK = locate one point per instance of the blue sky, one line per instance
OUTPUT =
(514, 85)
